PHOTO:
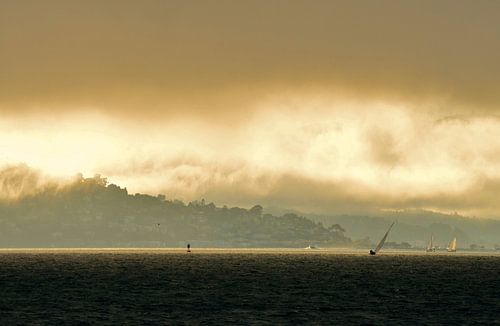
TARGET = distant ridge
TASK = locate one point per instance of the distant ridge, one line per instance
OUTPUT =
(416, 226)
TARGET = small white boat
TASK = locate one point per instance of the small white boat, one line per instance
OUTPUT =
(453, 245)
(311, 247)
(430, 245)
(381, 243)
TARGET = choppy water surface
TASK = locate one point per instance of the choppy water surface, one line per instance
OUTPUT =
(213, 288)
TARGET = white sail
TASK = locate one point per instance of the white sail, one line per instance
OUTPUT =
(381, 243)
(430, 245)
(453, 245)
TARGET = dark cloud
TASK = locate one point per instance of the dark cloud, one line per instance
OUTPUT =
(221, 61)
(206, 57)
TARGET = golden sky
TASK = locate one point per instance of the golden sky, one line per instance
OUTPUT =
(321, 106)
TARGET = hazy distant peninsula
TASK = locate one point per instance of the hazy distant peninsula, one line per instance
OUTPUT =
(89, 212)
(416, 227)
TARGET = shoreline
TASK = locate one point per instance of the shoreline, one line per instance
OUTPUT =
(324, 251)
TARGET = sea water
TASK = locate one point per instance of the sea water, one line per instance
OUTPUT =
(246, 287)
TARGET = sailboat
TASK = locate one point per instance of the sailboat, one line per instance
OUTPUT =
(453, 245)
(311, 247)
(381, 243)
(430, 245)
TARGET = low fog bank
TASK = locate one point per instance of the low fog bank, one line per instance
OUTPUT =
(20, 181)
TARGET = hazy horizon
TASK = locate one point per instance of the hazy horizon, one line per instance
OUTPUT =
(330, 106)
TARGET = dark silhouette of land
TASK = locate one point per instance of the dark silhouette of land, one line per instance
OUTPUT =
(91, 213)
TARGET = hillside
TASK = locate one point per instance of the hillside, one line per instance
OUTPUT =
(91, 213)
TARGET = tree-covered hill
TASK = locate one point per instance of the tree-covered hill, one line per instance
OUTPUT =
(91, 213)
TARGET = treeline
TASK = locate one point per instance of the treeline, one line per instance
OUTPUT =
(91, 213)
